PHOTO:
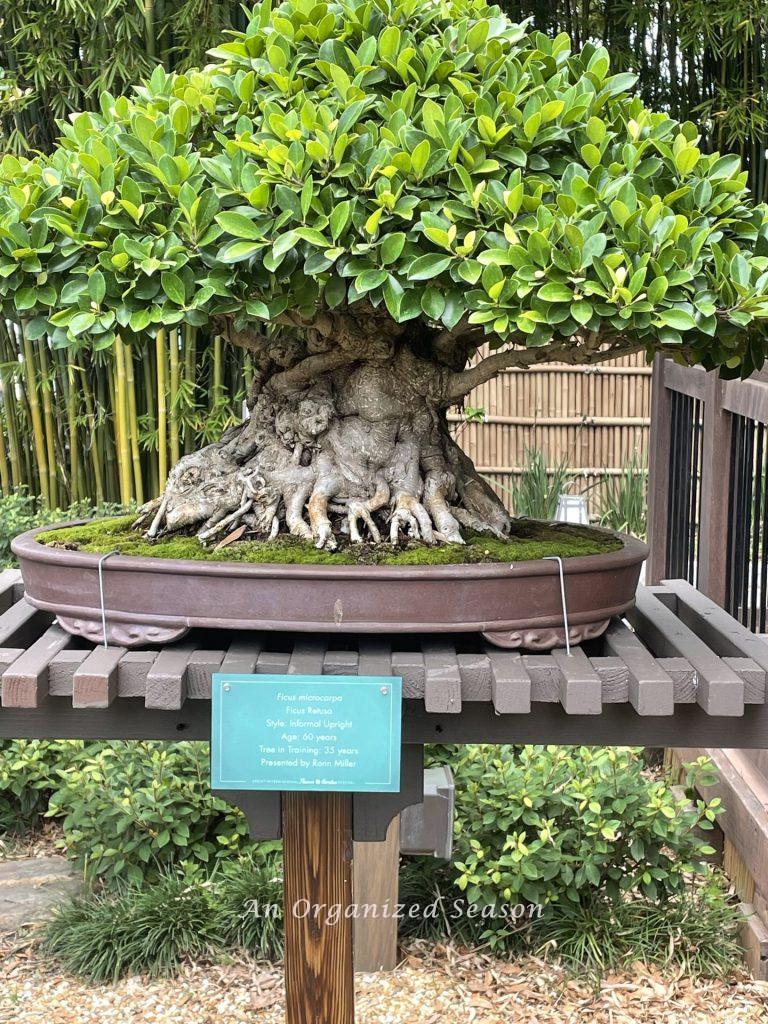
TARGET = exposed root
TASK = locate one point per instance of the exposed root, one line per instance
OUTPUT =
(334, 449)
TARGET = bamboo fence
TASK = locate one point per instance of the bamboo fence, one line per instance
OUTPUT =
(594, 418)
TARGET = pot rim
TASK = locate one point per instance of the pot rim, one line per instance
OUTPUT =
(26, 546)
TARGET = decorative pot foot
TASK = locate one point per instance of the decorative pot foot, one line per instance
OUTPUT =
(121, 634)
(546, 638)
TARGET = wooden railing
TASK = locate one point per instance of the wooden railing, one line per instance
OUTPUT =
(708, 506)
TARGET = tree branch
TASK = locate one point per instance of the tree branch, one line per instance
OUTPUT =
(576, 350)
(308, 369)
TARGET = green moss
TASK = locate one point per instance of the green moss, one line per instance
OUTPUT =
(529, 540)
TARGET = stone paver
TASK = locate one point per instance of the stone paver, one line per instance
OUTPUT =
(31, 887)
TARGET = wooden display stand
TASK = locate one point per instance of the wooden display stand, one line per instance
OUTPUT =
(687, 675)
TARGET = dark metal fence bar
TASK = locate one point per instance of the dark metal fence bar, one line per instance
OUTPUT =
(708, 487)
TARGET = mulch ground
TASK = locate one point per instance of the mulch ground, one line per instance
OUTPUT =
(431, 986)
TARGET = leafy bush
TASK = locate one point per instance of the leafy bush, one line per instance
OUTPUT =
(134, 809)
(695, 931)
(20, 511)
(566, 824)
(28, 777)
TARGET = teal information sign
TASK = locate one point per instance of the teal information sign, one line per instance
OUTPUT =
(337, 733)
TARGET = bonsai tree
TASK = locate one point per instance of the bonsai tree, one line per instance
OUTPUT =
(366, 196)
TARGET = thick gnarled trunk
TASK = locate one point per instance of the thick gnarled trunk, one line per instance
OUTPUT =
(344, 440)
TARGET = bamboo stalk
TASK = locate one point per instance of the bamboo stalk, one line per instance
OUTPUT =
(38, 434)
(133, 423)
(121, 425)
(190, 367)
(149, 405)
(74, 448)
(49, 421)
(94, 447)
(162, 450)
(5, 477)
(174, 397)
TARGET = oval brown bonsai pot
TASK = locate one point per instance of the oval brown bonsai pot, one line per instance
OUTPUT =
(156, 600)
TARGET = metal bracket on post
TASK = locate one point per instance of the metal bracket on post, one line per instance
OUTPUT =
(263, 811)
(372, 812)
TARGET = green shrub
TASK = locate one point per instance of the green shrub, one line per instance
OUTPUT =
(134, 809)
(565, 824)
(29, 775)
(20, 511)
(695, 931)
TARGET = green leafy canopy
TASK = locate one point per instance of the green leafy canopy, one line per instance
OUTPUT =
(433, 158)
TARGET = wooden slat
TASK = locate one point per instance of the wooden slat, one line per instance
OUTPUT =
(241, 657)
(721, 632)
(307, 657)
(580, 688)
(374, 657)
(167, 677)
(510, 683)
(476, 676)
(442, 688)
(61, 671)
(8, 655)
(614, 679)
(9, 587)
(25, 682)
(202, 665)
(651, 691)
(94, 684)
(409, 665)
(752, 675)
(22, 624)
(546, 677)
(273, 663)
(340, 663)
(132, 673)
(683, 676)
(720, 691)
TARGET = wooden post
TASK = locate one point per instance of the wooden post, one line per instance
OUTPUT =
(376, 869)
(658, 474)
(317, 855)
(715, 487)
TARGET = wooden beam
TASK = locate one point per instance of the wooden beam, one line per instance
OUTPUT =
(720, 691)
(167, 678)
(651, 691)
(94, 683)
(721, 632)
(510, 683)
(715, 477)
(317, 857)
(442, 689)
(375, 873)
(658, 470)
(25, 682)
(581, 691)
